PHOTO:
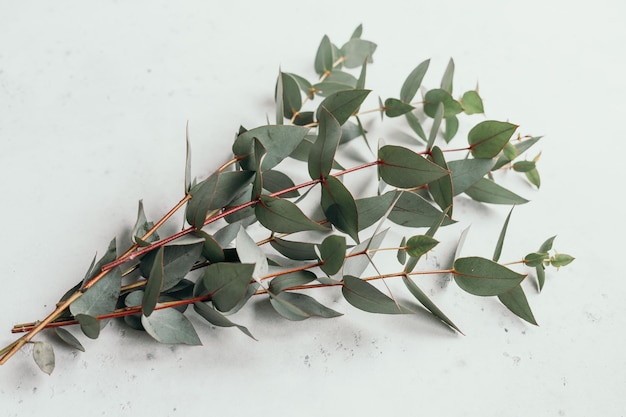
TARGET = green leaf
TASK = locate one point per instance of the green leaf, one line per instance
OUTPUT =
(291, 99)
(508, 155)
(434, 130)
(487, 138)
(404, 168)
(141, 227)
(413, 82)
(360, 82)
(177, 261)
(364, 296)
(218, 319)
(324, 57)
(215, 193)
(394, 107)
(170, 326)
(274, 181)
(420, 245)
(561, 259)
(356, 51)
(541, 276)
(303, 83)
(101, 298)
(95, 268)
(411, 210)
(524, 166)
(372, 209)
(343, 104)
(278, 99)
(357, 32)
(283, 216)
(441, 190)
(535, 259)
(89, 325)
(466, 172)
(355, 265)
(515, 300)
(498, 250)
(487, 191)
(434, 97)
(452, 126)
(339, 207)
(426, 302)
(294, 279)
(333, 253)
(534, 178)
(448, 75)
(322, 152)
(68, 338)
(415, 125)
(227, 283)
(472, 103)
(211, 249)
(43, 354)
(294, 306)
(298, 251)
(401, 255)
(250, 253)
(547, 245)
(152, 289)
(278, 140)
(483, 277)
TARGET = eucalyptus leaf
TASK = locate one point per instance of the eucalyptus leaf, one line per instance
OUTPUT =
(170, 326)
(411, 210)
(441, 190)
(283, 216)
(215, 193)
(394, 107)
(420, 245)
(515, 300)
(534, 177)
(483, 277)
(356, 51)
(298, 251)
(466, 172)
(434, 130)
(452, 127)
(333, 252)
(293, 279)
(401, 167)
(250, 253)
(355, 265)
(561, 259)
(290, 91)
(487, 191)
(498, 250)
(372, 209)
(295, 306)
(322, 152)
(364, 296)
(278, 141)
(274, 181)
(472, 103)
(142, 226)
(448, 75)
(101, 298)
(324, 58)
(339, 207)
(547, 245)
(435, 97)
(218, 319)
(211, 249)
(68, 338)
(426, 302)
(89, 325)
(227, 283)
(343, 104)
(487, 138)
(43, 354)
(177, 261)
(415, 125)
(152, 289)
(413, 82)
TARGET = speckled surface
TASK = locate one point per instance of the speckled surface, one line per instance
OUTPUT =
(94, 99)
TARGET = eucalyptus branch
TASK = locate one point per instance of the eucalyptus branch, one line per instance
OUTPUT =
(233, 264)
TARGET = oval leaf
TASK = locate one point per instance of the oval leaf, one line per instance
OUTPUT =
(339, 207)
(218, 319)
(227, 283)
(487, 191)
(364, 296)
(283, 216)
(43, 354)
(413, 82)
(417, 246)
(480, 276)
(89, 325)
(170, 326)
(277, 140)
(322, 152)
(333, 253)
(298, 251)
(516, 301)
(294, 279)
(69, 338)
(487, 138)
(411, 210)
(343, 104)
(294, 306)
(401, 167)
(394, 107)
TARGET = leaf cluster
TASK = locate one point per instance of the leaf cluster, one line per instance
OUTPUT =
(253, 230)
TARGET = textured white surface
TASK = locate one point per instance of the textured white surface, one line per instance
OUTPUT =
(94, 97)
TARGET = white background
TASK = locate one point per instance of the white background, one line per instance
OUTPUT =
(94, 98)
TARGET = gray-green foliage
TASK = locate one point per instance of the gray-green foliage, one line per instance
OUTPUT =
(333, 243)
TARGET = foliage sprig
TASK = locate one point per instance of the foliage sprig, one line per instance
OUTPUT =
(149, 287)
